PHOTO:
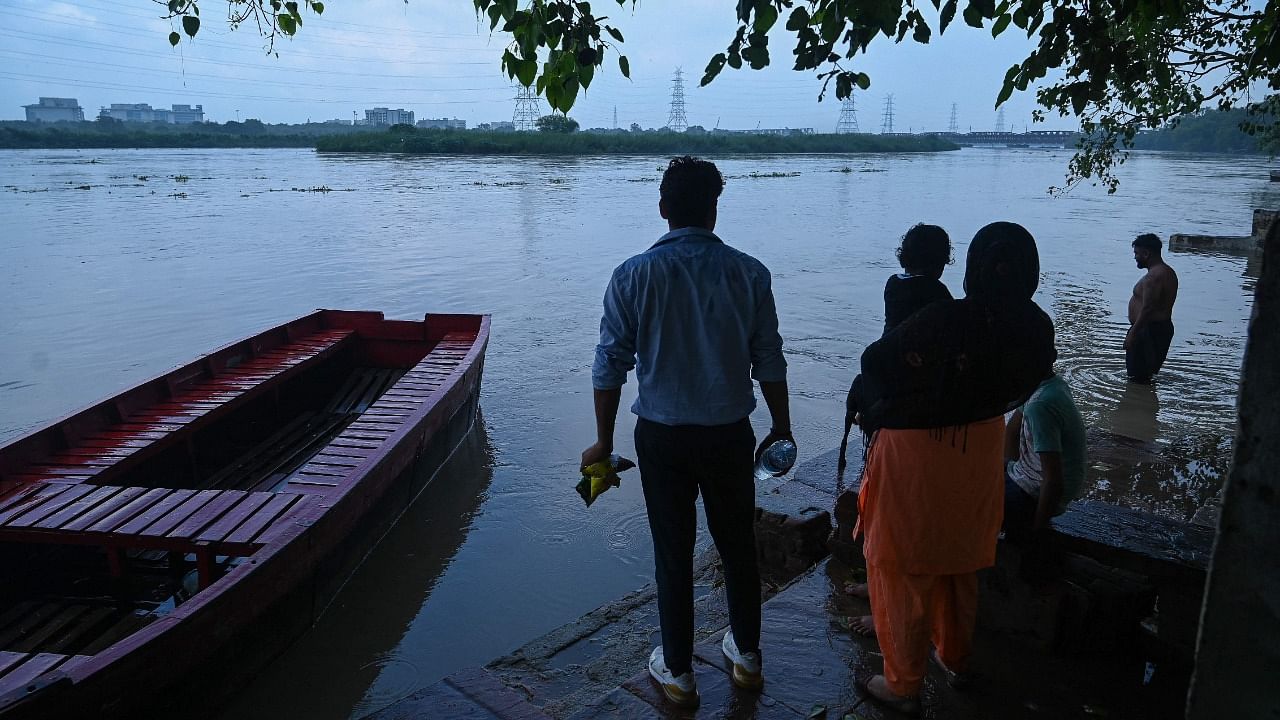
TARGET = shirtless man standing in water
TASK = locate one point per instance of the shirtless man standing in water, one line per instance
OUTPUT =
(1150, 311)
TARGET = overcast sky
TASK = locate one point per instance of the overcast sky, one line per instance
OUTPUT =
(435, 58)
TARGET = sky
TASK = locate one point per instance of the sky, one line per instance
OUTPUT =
(436, 58)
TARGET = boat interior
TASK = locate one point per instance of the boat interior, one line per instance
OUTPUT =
(115, 516)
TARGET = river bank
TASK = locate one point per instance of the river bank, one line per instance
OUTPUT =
(1108, 636)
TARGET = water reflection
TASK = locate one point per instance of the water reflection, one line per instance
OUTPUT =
(354, 660)
(1136, 416)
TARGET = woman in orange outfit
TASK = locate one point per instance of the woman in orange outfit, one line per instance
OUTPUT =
(934, 393)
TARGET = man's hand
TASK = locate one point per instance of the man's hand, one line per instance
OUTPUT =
(773, 437)
(1128, 338)
(595, 454)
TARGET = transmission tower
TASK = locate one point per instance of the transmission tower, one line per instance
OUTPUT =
(848, 122)
(1000, 121)
(953, 127)
(615, 117)
(676, 121)
(528, 109)
(886, 123)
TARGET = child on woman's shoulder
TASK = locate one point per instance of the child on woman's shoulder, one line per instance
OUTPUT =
(924, 252)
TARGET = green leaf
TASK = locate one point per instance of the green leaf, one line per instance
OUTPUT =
(862, 80)
(617, 35)
(287, 24)
(766, 16)
(713, 69)
(190, 25)
(174, 38)
(625, 66)
(526, 71)
(948, 14)
(1002, 22)
(585, 74)
(317, 7)
(799, 18)
(973, 15)
(844, 86)
(735, 61)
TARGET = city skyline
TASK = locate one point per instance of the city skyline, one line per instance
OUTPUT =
(440, 61)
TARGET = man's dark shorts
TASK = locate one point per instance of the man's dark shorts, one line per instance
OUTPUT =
(1148, 350)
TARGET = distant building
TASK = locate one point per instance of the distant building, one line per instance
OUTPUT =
(387, 116)
(499, 126)
(337, 121)
(52, 109)
(143, 112)
(443, 123)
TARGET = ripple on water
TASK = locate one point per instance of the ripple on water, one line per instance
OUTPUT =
(397, 677)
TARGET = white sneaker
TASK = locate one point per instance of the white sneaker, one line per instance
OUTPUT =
(682, 690)
(747, 673)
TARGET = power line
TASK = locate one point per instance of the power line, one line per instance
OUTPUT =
(75, 82)
(676, 120)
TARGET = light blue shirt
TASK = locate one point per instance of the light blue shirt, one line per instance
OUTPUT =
(697, 321)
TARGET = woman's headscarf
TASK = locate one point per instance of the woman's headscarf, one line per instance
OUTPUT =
(1003, 264)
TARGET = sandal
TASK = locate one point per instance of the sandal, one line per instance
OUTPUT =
(862, 677)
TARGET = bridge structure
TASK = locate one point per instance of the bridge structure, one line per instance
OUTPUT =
(1033, 138)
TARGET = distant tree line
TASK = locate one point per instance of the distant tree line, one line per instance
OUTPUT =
(107, 133)
(1215, 131)
(560, 142)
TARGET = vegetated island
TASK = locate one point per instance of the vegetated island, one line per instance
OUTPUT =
(414, 141)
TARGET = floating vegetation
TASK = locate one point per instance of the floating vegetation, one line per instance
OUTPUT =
(178, 195)
(322, 189)
(557, 181)
(143, 178)
(845, 169)
(643, 179)
(759, 175)
(512, 183)
(84, 187)
(181, 178)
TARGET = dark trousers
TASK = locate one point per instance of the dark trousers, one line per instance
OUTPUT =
(1019, 509)
(676, 462)
(1148, 350)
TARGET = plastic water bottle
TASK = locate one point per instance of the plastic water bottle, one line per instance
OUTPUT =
(776, 460)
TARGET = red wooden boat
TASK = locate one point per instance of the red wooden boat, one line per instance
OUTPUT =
(159, 547)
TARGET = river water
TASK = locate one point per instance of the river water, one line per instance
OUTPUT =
(118, 265)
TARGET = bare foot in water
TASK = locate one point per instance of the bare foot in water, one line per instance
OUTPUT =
(864, 625)
(857, 589)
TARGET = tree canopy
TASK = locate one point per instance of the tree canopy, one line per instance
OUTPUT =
(556, 123)
(1119, 66)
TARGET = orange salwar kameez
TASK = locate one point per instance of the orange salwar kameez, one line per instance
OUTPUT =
(930, 508)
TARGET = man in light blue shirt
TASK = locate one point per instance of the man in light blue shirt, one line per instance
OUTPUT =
(696, 320)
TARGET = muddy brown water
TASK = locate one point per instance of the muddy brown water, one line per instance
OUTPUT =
(108, 286)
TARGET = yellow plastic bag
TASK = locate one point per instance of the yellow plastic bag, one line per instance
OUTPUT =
(599, 477)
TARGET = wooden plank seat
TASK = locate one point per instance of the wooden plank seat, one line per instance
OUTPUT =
(207, 523)
(99, 456)
(23, 673)
(382, 411)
